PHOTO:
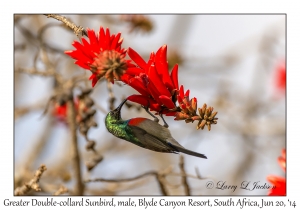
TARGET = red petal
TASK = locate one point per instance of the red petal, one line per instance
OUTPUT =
(134, 71)
(167, 101)
(179, 99)
(279, 183)
(162, 67)
(187, 93)
(154, 77)
(136, 58)
(174, 76)
(107, 39)
(136, 84)
(115, 41)
(125, 78)
(282, 160)
(93, 39)
(94, 79)
(144, 101)
(283, 153)
(154, 92)
(82, 64)
(101, 39)
(181, 91)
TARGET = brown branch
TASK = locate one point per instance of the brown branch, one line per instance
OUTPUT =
(78, 30)
(21, 111)
(34, 71)
(79, 187)
(150, 173)
(159, 177)
(112, 97)
(33, 183)
(61, 190)
(186, 186)
(161, 181)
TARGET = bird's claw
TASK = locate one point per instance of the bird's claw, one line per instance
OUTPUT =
(165, 123)
(147, 110)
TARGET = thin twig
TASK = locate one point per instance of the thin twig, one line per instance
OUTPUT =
(79, 187)
(161, 181)
(112, 97)
(35, 72)
(149, 173)
(33, 183)
(78, 30)
(159, 177)
(186, 186)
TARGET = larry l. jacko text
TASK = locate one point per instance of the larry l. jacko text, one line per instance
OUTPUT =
(245, 185)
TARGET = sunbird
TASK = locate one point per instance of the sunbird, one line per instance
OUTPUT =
(145, 133)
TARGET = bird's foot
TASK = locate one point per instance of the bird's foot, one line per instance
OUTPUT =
(147, 110)
(165, 124)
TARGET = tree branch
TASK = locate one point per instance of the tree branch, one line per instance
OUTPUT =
(79, 187)
(159, 177)
(33, 183)
(186, 186)
(78, 30)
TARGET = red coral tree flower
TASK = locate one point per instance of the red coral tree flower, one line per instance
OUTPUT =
(280, 76)
(102, 55)
(279, 182)
(60, 110)
(158, 89)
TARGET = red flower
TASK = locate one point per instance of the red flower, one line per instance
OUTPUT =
(102, 55)
(279, 182)
(158, 89)
(280, 77)
(60, 111)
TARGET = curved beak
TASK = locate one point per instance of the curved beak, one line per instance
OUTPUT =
(118, 109)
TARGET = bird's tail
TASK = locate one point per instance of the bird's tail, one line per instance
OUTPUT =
(186, 151)
(189, 152)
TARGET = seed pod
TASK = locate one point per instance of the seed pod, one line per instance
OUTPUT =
(90, 145)
(83, 129)
(88, 102)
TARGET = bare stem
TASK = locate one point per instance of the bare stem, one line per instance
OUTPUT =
(78, 30)
(112, 98)
(79, 187)
(161, 181)
(36, 72)
(159, 177)
(33, 183)
(185, 184)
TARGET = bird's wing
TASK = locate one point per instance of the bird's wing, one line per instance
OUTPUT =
(151, 142)
(169, 145)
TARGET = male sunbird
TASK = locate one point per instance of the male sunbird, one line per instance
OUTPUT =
(144, 133)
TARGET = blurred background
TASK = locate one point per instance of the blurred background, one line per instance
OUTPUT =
(235, 63)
